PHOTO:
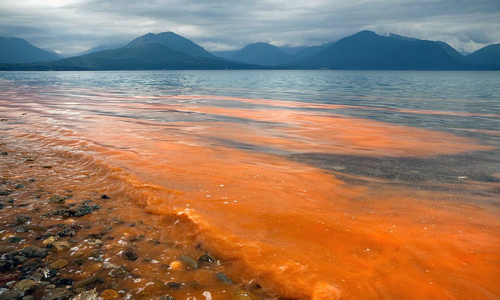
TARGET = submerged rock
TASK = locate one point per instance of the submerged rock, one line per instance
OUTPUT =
(8, 294)
(6, 249)
(34, 251)
(5, 192)
(109, 294)
(86, 282)
(82, 210)
(189, 262)
(23, 219)
(60, 246)
(206, 258)
(166, 297)
(67, 233)
(222, 277)
(24, 286)
(57, 199)
(59, 264)
(20, 186)
(105, 197)
(86, 295)
(130, 255)
(58, 294)
(6, 265)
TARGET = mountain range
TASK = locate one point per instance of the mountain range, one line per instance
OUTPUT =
(365, 50)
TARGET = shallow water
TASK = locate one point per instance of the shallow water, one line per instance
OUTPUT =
(322, 184)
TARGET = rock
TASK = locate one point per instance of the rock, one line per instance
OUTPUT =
(8, 278)
(173, 285)
(50, 240)
(51, 286)
(34, 251)
(59, 264)
(24, 285)
(5, 192)
(64, 212)
(86, 282)
(109, 294)
(6, 249)
(105, 197)
(130, 255)
(60, 246)
(9, 295)
(206, 258)
(67, 232)
(23, 219)
(96, 242)
(28, 268)
(64, 282)
(57, 199)
(190, 263)
(222, 277)
(86, 295)
(42, 274)
(241, 295)
(20, 186)
(6, 265)
(82, 210)
(118, 271)
(96, 207)
(29, 297)
(166, 297)
(14, 239)
(58, 294)
(5, 153)
(19, 259)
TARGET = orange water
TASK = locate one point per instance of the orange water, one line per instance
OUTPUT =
(295, 229)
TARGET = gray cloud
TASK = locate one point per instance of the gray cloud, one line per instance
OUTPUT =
(72, 26)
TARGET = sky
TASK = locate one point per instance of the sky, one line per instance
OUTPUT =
(69, 27)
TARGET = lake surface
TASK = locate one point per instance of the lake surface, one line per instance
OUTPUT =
(322, 184)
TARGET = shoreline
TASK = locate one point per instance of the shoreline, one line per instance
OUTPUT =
(57, 244)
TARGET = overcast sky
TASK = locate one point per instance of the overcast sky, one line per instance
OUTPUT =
(72, 26)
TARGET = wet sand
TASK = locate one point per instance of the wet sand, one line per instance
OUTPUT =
(281, 225)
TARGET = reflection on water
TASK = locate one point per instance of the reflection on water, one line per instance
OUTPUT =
(315, 184)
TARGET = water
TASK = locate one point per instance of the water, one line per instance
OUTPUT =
(312, 183)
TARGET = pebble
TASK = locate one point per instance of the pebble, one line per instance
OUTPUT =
(59, 264)
(166, 297)
(130, 255)
(60, 246)
(105, 197)
(23, 219)
(86, 282)
(6, 265)
(85, 295)
(58, 294)
(222, 277)
(67, 232)
(5, 249)
(57, 199)
(95, 242)
(20, 186)
(24, 285)
(34, 251)
(118, 271)
(241, 295)
(189, 262)
(109, 294)
(5, 192)
(50, 240)
(82, 210)
(9, 295)
(207, 258)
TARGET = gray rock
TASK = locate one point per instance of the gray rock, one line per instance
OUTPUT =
(88, 295)
(8, 294)
(58, 294)
(34, 251)
(6, 265)
(5, 192)
(6, 249)
(20, 186)
(29, 297)
(19, 259)
(189, 262)
(24, 285)
(206, 258)
(23, 219)
(57, 199)
(222, 277)
(82, 210)
(67, 232)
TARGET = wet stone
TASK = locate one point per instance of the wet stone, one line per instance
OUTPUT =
(42, 274)
(5, 192)
(58, 294)
(50, 240)
(19, 259)
(82, 210)
(189, 262)
(23, 219)
(6, 265)
(67, 232)
(86, 295)
(109, 294)
(86, 282)
(6, 249)
(57, 199)
(241, 295)
(14, 239)
(105, 197)
(5, 153)
(206, 258)
(118, 271)
(222, 277)
(59, 264)
(64, 282)
(9, 278)
(24, 286)
(63, 212)
(20, 186)
(29, 297)
(34, 251)
(8, 295)
(130, 255)
(166, 297)
(60, 246)
(28, 268)
(95, 242)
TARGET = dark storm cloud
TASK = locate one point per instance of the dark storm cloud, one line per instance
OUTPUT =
(71, 26)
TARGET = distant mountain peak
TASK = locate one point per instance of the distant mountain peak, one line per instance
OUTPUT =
(17, 50)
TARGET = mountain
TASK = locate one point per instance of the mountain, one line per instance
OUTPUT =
(15, 50)
(262, 54)
(368, 51)
(146, 57)
(172, 41)
(292, 50)
(228, 54)
(310, 51)
(451, 51)
(487, 57)
(101, 48)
